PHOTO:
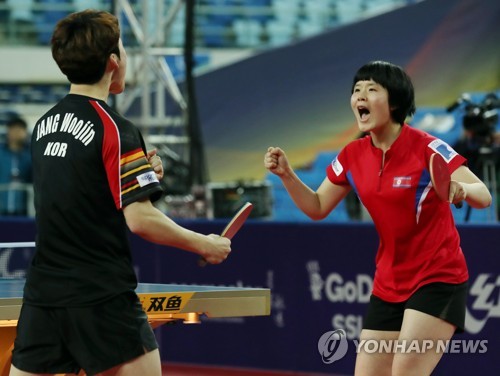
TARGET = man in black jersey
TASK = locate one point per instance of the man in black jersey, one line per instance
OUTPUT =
(92, 179)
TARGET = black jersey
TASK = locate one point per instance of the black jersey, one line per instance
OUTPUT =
(88, 164)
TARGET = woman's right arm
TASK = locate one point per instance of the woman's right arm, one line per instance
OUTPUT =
(315, 204)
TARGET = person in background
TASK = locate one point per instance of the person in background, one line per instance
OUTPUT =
(480, 145)
(15, 169)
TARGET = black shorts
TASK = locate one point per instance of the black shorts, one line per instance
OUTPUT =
(94, 338)
(443, 300)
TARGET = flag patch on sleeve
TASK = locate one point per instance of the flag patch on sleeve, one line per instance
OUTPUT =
(337, 167)
(441, 147)
(147, 178)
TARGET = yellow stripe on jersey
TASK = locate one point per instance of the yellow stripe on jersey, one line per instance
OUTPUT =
(135, 170)
(130, 189)
(131, 158)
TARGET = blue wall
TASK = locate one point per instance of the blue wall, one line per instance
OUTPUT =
(320, 277)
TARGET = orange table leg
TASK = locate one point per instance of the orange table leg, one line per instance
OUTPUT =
(7, 336)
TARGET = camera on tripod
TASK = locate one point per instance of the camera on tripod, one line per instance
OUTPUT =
(479, 119)
(478, 145)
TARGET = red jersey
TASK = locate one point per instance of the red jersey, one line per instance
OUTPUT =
(419, 243)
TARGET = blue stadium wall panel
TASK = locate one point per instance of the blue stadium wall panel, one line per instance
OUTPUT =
(320, 275)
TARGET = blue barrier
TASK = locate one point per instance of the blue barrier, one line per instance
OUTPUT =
(320, 275)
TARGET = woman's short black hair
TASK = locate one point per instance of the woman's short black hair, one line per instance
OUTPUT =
(398, 85)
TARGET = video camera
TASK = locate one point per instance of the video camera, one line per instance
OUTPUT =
(479, 119)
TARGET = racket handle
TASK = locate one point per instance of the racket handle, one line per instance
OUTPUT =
(459, 205)
(202, 262)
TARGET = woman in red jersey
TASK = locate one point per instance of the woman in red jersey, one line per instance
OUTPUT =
(420, 283)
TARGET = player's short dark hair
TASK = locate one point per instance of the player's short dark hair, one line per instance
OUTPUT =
(17, 122)
(398, 85)
(82, 43)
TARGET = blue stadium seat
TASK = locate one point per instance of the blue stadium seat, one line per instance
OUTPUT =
(323, 159)
(286, 11)
(45, 20)
(221, 13)
(348, 11)
(284, 209)
(439, 123)
(213, 34)
(280, 32)
(483, 215)
(248, 32)
(215, 25)
(257, 10)
(308, 28)
(473, 216)
(88, 4)
(318, 12)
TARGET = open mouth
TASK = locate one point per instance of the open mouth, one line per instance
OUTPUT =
(363, 112)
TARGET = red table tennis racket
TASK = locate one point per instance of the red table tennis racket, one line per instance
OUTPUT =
(233, 226)
(441, 178)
